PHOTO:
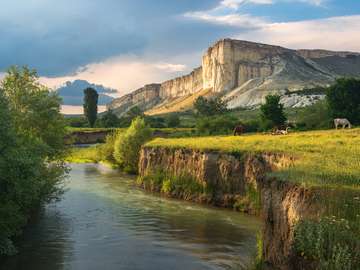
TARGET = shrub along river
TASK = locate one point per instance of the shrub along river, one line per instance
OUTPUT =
(104, 222)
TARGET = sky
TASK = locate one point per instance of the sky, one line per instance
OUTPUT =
(125, 44)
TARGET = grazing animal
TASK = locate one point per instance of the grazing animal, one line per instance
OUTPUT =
(281, 131)
(238, 130)
(342, 122)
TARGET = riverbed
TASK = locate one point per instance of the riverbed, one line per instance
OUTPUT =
(103, 221)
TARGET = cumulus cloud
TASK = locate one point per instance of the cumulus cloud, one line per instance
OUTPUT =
(125, 73)
(226, 14)
(335, 33)
(237, 20)
(235, 4)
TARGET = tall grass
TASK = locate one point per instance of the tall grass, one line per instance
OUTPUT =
(330, 158)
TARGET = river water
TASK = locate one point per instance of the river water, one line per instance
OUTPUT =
(104, 222)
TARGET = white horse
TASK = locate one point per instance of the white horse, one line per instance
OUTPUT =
(342, 122)
(281, 131)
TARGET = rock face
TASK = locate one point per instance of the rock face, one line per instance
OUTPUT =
(145, 98)
(243, 73)
(282, 204)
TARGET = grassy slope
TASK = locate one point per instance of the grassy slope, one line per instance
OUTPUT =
(322, 157)
(178, 104)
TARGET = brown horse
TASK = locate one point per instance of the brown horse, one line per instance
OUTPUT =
(238, 130)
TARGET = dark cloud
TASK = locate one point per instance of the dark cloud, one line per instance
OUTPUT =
(58, 37)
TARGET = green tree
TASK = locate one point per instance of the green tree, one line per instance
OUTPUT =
(30, 170)
(220, 124)
(173, 120)
(35, 110)
(208, 107)
(343, 99)
(272, 112)
(128, 144)
(90, 105)
(109, 119)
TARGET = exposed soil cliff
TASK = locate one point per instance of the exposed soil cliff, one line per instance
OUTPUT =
(238, 180)
(244, 73)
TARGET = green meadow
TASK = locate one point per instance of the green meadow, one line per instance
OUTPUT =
(330, 157)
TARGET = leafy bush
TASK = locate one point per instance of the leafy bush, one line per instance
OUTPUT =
(155, 121)
(329, 244)
(223, 124)
(183, 185)
(128, 144)
(207, 107)
(76, 122)
(252, 126)
(272, 112)
(108, 119)
(315, 116)
(173, 120)
(106, 150)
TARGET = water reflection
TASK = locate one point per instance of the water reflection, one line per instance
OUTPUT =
(104, 222)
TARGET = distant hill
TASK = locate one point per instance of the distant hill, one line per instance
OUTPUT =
(72, 93)
(243, 73)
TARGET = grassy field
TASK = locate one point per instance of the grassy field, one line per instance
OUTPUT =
(330, 157)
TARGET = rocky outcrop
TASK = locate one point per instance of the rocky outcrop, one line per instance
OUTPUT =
(282, 204)
(145, 98)
(182, 86)
(245, 72)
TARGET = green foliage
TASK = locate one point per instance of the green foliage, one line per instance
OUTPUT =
(222, 124)
(252, 125)
(90, 105)
(315, 116)
(344, 99)
(173, 120)
(272, 112)
(106, 150)
(155, 121)
(35, 110)
(134, 112)
(31, 132)
(251, 202)
(77, 121)
(208, 107)
(128, 144)
(181, 186)
(108, 120)
(328, 243)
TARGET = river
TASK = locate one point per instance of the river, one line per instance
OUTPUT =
(104, 222)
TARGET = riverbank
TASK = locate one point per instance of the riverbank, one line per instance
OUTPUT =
(104, 221)
(305, 186)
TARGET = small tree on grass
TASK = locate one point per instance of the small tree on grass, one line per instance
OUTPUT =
(109, 119)
(272, 112)
(173, 120)
(90, 105)
(128, 144)
(343, 99)
(208, 107)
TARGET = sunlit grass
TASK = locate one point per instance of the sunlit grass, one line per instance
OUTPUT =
(83, 155)
(330, 157)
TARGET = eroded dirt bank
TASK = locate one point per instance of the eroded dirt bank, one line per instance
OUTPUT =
(239, 181)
